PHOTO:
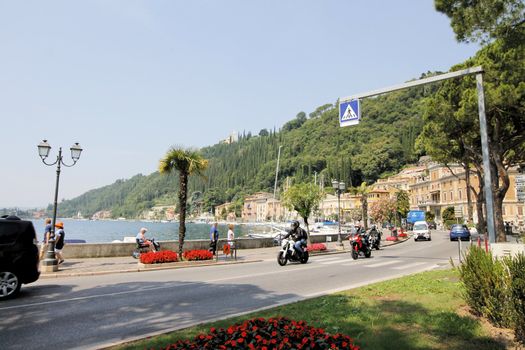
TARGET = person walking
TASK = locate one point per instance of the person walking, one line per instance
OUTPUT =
(45, 241)
(231, 239)
(214, 237)
(59, 239)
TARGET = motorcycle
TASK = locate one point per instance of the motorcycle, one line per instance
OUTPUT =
(374, 237)
(360, 245)
(142, 248)
(288, 252)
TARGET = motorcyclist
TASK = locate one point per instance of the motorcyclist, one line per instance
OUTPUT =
(375, 234)
(298, 235)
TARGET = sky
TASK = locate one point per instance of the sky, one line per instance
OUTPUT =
(128, 79)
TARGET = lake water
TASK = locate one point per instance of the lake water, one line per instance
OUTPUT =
(100, 231)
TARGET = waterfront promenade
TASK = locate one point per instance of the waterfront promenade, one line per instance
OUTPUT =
(108, 265)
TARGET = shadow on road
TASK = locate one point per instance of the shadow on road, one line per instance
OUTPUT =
(113, 312)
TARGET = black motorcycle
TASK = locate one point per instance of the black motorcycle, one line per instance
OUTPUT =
(360, 245)
(288, 252)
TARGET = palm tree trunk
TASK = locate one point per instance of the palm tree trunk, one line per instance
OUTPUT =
(308, 242)
(183, 194)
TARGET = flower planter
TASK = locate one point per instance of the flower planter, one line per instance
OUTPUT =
(175, 264)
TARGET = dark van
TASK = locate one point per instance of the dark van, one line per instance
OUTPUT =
(18, 255)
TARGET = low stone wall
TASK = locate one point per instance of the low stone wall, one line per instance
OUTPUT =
(99, 250)
(501, 250)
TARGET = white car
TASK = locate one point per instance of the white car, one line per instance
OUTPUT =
(421, 231)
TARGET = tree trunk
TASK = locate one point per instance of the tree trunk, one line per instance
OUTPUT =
(500, 185)
(308, 242)
(183, 194)
(365, 212)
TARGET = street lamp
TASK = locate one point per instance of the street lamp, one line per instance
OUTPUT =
(50, 263)
(339, 188)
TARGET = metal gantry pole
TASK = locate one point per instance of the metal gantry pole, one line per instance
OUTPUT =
(489, 199)
(478, 71)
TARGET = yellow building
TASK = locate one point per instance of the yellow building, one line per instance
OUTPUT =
(440, 187)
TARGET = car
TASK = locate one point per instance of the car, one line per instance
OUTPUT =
(18, 255)
(421, 231)
(458, 231)
(431, 225)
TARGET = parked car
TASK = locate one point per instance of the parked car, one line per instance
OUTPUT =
(458, 231)
(431, 225)
(421, 231)
(18, 255)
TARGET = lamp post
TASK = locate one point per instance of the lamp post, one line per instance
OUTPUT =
(339, 188)
(50, 263)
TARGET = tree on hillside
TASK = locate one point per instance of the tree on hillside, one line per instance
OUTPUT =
(483, 20)
(304, 198)
(187, 162)
(362, 191)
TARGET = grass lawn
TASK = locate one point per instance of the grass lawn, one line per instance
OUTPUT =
(422, 311)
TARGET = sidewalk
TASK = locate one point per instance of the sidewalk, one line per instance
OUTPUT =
(100, 266)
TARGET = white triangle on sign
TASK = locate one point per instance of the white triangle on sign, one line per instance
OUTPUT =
(349, 114)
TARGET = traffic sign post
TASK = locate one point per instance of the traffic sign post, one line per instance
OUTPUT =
(478, 71)
(349, 113)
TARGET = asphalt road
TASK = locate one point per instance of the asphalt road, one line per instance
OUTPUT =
(92, 312)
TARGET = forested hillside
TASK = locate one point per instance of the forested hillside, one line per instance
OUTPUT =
(313, 145)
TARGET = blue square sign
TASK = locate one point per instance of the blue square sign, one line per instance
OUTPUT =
(349, 113)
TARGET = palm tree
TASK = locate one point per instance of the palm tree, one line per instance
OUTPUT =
(363, 191)
(187, 162)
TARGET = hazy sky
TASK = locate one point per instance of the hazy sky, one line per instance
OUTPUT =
(128, 79)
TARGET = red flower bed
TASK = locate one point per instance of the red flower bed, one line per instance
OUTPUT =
(402, 235)
(261, 334)
(192, 255)
(163, 256)
(316, 247)
(391, 238)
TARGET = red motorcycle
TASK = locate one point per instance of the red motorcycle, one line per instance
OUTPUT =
(360, 246)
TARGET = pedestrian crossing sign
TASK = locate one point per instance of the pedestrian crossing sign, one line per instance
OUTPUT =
(349, 113)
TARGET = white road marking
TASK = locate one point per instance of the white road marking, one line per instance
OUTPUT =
(408, 266)
(385, 263)
(338, 261)
(323, 259)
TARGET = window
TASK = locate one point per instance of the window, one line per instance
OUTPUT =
(459, 193)
(444, 197)
(503, 210)
(451, 196)
(520, 210)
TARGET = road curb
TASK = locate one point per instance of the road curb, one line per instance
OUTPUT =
(138, 269)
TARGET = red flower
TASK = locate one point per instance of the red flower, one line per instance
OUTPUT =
(201, 254)
(159, 257)
(274, 333)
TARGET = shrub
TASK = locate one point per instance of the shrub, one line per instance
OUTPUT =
(316, 247)
(163, 256)
(274, 333)
(516, 268)
(192, 255)
(485, 280)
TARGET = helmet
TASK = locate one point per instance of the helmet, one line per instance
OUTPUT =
(294, 224)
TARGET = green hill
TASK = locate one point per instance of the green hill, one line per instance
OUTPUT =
(312, 146)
